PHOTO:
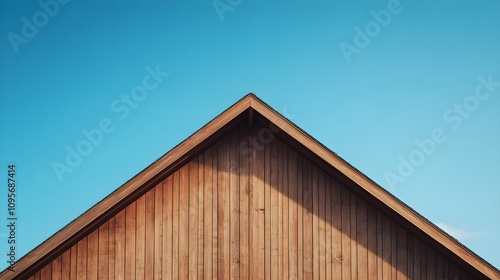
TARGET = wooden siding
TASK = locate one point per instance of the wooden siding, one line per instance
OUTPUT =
(251, 208)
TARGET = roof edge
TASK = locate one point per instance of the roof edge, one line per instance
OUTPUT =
(376, 190)
(54, 242)
(36, 256)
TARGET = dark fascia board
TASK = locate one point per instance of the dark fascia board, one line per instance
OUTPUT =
(151, 175)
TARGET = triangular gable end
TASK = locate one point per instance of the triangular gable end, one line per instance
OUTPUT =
(250, 110)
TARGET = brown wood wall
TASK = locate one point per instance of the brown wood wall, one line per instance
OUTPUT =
(239, 213)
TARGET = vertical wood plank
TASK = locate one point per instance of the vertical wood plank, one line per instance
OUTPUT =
(140, 237)
(270, 190)
(446, 269)
(81, 259)
(315, 223)
(201, 216)
(285, 205)
(74, 262)
(244, 207)
(410, 255)
(56, 268)
(208, 215)
(46, 272)
(103, 254)
(272, 214)
(279, 224)
(372, 242)
(159, 236)
(234, 205)
(439, 266)
(423, 260)
(150, 233)
(111, 247)
(92, 254)
(393, 250)
(362, 239)
(431, 264)
(346, 232)
(176, 228)
(215, 229)
(184, 222)
(257, 218)
(387, 252)
(322, 225)
(402, 268)
(308, 220)
(354, 241)
(193, 219)
(38, 275)
(328, 225)
(130, 230)
(337, 232)
(168, 228)
(380, 246)
(120, 243)
(417, 268)
(66, 265)
(292, 210)
(300, 217)
(223, 215)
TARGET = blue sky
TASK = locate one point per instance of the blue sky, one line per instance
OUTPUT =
(407, 92)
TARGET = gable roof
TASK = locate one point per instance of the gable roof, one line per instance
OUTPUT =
(249, 107)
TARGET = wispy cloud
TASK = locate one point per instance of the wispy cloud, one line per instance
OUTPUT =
(459, 233)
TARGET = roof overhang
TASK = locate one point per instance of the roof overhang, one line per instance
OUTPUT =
(248, 108)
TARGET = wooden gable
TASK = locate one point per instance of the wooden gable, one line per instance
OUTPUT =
(251, 196)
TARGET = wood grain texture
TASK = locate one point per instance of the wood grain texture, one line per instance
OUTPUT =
(244, 174)
(183, 223)
(130, 232)
(208, 216)
(293, 212)
(223, 210)
(245, 208)
(103, 255)
(371, 242)
(150, 233)
(132, 240)
(119, 245)
(347, 243)
(285, 200)
(234, 205)
(362, 239)
(56, 268)
(66, 265)
(140, 238)
(81, 257)
(337, 233)
(193, 205)
(158, 233)
(168, 229)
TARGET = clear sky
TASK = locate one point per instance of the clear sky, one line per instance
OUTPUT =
(408, 92)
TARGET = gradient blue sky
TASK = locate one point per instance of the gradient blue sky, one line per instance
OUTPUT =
(395, 90)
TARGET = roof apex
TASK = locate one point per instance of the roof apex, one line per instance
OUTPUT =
(150, 176)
